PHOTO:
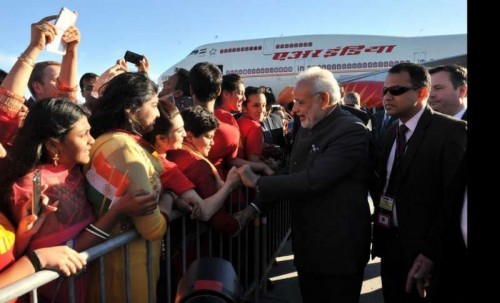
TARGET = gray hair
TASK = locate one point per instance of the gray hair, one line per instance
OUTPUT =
(352, 98)
(321, 81)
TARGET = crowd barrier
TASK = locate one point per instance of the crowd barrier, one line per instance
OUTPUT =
(252, 254)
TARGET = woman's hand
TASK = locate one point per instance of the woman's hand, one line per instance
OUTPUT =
(233, 178)
(61, 258)
(28, 226)
(119, 68)
(72, 37)
(143, 66)
(136, 203)
(43, 32)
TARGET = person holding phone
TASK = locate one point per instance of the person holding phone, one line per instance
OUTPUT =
(55, 140)
(60, 258)
(50, 78)
(46, 79)
(118, 68)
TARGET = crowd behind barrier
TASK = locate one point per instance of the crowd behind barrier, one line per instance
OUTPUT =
(251, 253)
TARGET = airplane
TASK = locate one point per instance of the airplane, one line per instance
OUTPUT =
(357, 61)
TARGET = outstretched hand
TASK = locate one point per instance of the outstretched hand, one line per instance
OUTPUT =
(248, 177)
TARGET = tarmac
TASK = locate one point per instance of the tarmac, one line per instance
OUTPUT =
(284, 284)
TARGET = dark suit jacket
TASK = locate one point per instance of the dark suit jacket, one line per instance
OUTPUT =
(327, 185)
(450, 272)
(272, 127)
(379, 132)
(433, 155)
(361, 114)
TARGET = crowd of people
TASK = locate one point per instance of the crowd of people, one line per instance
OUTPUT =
(131, 153)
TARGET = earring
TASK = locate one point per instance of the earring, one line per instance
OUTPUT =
(55, 159)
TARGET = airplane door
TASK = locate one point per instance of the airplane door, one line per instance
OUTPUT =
(268, 48)
(300, 65)
(419, 57)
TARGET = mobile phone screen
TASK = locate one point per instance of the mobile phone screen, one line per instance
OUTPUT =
(37, 193)
(65, 19)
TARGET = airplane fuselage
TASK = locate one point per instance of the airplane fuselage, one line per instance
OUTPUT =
(275, 62)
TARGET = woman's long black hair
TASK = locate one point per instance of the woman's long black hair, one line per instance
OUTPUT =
(127, 91)
(47, 119)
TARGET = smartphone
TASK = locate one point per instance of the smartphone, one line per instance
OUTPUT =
(133, 57)
(36, 206)
(65, 19)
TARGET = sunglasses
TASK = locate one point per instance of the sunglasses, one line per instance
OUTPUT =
(396, 90)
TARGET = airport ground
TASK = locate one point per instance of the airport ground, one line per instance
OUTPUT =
(284, 285)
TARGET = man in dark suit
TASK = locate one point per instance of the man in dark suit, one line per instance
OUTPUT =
(420, 156)
(352, 104)
(381, 122)
(453, 244)
(449, 90)
(328, 188)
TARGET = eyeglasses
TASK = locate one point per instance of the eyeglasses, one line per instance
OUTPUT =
(396, 90)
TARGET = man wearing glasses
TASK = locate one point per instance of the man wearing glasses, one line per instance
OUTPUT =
(419, 157)
(327, 184)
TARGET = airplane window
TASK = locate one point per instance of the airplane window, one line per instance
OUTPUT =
(295, 45)
(301, 44)
(348, 65)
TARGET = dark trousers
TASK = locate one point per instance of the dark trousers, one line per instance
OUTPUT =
(330, 288)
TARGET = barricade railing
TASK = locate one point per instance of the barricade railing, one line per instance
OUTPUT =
(252, 253)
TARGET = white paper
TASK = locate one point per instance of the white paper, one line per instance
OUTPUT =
(66, 19)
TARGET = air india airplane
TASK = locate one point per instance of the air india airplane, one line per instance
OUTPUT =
(357, 61)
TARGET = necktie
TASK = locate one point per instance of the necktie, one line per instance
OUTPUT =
(400, 143)
(385, 122)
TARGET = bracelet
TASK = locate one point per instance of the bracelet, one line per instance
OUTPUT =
(34, 260)
(97, 229)
(63, 88)
(10, 103)
(97, 232)
(26, 59)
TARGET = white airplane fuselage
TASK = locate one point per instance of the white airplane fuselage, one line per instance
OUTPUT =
(275, 62)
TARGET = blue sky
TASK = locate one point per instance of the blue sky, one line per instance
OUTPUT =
(166, 31)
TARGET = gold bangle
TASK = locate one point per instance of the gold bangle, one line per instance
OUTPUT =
(26, 59)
